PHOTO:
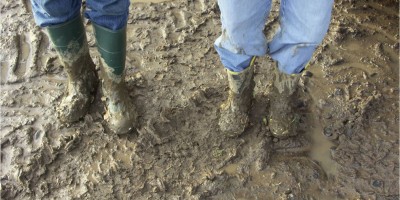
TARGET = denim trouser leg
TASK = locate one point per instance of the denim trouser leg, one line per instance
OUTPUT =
(111, 14)
(54, 12)
(242, 32)
(303, 24)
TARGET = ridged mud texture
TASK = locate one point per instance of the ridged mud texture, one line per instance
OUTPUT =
(348, 114)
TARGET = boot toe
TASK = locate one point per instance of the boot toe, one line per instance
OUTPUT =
(233, 124)
(121, 128)
(73, 108)
(299, 144)
(284, 127)
(121, 123)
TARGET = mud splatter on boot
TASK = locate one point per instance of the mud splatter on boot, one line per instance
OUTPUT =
(81, 88)
(234, 112)
(120, 111)
(69, 39)
(283, 121)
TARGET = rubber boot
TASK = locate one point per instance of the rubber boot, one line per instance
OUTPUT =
(283, 121)
(234, 116)
(120, 111)
(70, 43)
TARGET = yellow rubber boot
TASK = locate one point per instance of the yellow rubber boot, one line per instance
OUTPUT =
(234, 112)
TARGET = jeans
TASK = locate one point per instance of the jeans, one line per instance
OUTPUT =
(303, 25)
(111, 14)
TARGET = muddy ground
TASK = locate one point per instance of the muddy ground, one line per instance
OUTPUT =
(347, 147)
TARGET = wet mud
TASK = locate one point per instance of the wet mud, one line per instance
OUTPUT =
(347, 146)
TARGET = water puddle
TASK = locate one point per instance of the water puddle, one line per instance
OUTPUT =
(24, 51)
(4, 71)
(320, 150)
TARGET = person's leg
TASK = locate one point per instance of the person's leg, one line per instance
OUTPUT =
(303, 25)
(109, 19)
(242, 35)
(110, 14)
(64, 26)
(242, 39)
(55, 12)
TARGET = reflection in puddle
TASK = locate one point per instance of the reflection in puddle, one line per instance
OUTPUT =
(320, 151)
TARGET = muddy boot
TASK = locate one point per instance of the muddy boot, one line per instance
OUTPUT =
(70, 42)
(283, 121)
(120, 111)
(234, 112)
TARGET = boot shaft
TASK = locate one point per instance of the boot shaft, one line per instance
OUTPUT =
(69, 39)
(286, 84)
(112, 47)
(239, 81)
(121, 114)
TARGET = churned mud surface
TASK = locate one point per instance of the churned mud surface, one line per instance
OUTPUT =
(347, 146)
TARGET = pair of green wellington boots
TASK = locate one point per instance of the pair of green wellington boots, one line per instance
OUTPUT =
(282, 121)
(71, 45)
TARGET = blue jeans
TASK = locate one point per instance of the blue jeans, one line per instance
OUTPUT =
(303, 25)
(111, 14)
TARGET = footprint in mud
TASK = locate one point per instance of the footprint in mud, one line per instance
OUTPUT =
(22, 62)
(176, 32)
(180, 19)
(298, 145)
(200, 5)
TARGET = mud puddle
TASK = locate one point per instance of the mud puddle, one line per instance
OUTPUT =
(321, 145)
(321, 150)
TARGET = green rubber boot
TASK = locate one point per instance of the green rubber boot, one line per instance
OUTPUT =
(70, 43)
(283, 120)
(121, 113)
(234, 116)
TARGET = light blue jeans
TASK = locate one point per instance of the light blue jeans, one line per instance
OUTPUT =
(111, 14)
(303, 25)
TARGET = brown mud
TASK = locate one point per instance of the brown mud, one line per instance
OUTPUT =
(347, 148)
